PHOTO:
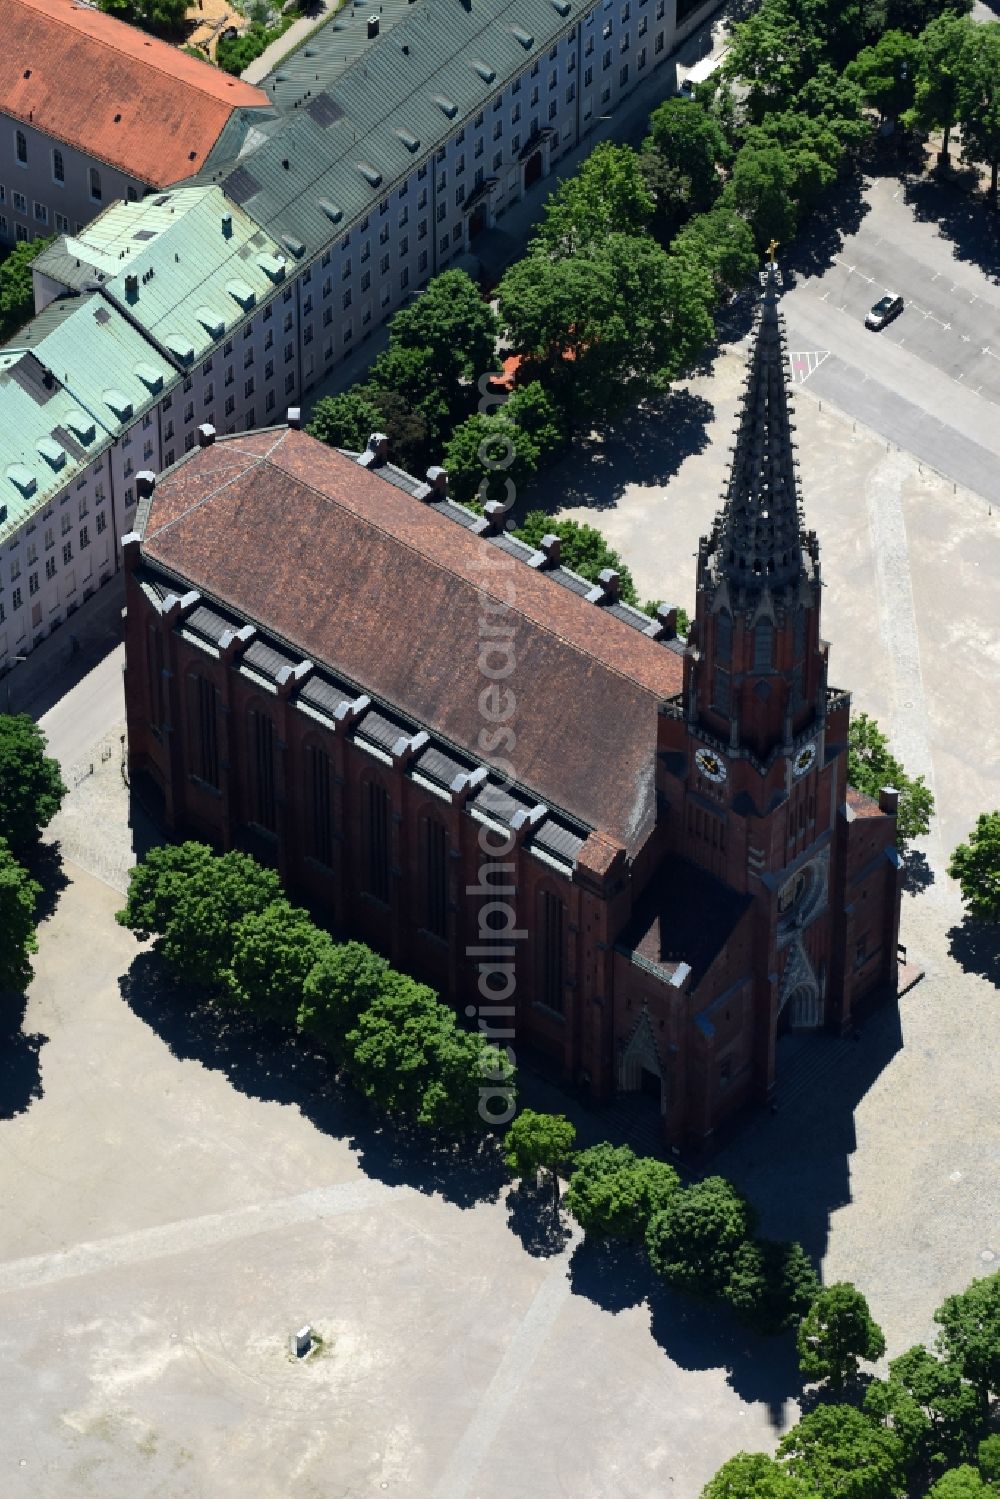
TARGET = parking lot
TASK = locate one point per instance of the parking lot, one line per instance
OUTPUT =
(930, 381)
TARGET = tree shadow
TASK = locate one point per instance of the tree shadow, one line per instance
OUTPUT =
(961, 216)
(839, 214)
(698, 1334)
(44, 864)
(975, 946)
(612, 1274)
(918, 875)
(532, 1218)
(265, 1062)
(20, 1068)
(646, 446)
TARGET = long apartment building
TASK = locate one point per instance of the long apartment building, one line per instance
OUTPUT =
(309, 225)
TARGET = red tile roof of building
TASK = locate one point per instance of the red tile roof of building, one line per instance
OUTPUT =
(361, 576)
(110, 90)
(863, 805)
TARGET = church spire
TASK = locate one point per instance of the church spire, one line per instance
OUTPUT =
(757, 541)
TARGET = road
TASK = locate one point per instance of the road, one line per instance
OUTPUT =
(930, 381)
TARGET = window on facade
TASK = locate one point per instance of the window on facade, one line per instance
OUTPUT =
(50, 567)
(319, 787)
(67, 553)
(84, 537)
(95, 185)
(206, 748)
(102, 522)
(723, 636)
(434, 917)
(722, 692)
(22, 147)
(263, 805)
(763, 645)
(375, 819)
(552, 963)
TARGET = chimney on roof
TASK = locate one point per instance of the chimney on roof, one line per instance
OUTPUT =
(496, 512)
(888, 801)
(131, 288)
(667, 616)
(294, 417)
(551, 546)
(206, 435)
(605, 590)
(377, 451)
(437, 478)
(227, 225)
(145, 483)
(372, 27)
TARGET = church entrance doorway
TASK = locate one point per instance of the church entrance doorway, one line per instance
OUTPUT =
(650, 1085)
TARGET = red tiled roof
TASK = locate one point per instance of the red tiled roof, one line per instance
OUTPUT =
(361, 576)
(112, 91)
(863, 805)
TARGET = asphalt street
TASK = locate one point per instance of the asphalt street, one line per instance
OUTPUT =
(930, 381)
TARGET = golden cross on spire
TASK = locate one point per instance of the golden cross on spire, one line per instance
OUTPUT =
(770, 251)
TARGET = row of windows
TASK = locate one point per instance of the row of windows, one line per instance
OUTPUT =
(57, 165)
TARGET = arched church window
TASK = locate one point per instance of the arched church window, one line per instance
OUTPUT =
(723, 635)
(763, 645)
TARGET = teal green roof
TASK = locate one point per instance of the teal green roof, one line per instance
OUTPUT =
(64, 386)
(184, 265)
(403, 96)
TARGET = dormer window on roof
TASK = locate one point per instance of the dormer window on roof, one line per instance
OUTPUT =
(486, 73)
(293, 245)
(241, 292)
(273, 267)
(52, 452)
(180, 346)
(213, 322)
(119, 404)
(81, 426)
(524, 37)
(371, 174)
(410, 141)
(149, 375)
(448, 106)
(333, 213)
(22, 479)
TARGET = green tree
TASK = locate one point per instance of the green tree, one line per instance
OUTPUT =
(583, 549)
(191, 900)
(970, 1334)
(916, 15)
(929, 1406)
(162, 17)
(754, 1475)
(988, 1458)
(760, 189)
(607, 195)
(772, 1285)
(693, 1241)
(344, 981)
(408, 1056)
(839, 1454)
(964, 1482)
(943, 47)
(976, 866)
(18, 897)
(689, 140)
(979, 100)
(670, 191)
(870, 766)
(837, 103)
(17, 292)
(539, 1142)
(613, 1193)
(408, 375)
(31, 784)
(489, 458)
(348, 420)
(722, 244)
(452, 326)
(887, 73)
(274, 951)
(812, 151)
(836, 1332)
(772, 54)
(531, 408)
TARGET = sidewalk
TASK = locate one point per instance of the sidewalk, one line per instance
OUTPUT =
(56, 665)
(627, 125)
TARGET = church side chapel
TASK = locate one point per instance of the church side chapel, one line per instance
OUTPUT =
(683, 871)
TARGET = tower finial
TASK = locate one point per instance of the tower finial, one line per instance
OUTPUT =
(770, 251)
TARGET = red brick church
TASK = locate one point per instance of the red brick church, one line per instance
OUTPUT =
(634, 857)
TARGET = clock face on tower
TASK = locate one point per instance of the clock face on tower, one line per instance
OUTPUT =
(710, 765)
(804, 760)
